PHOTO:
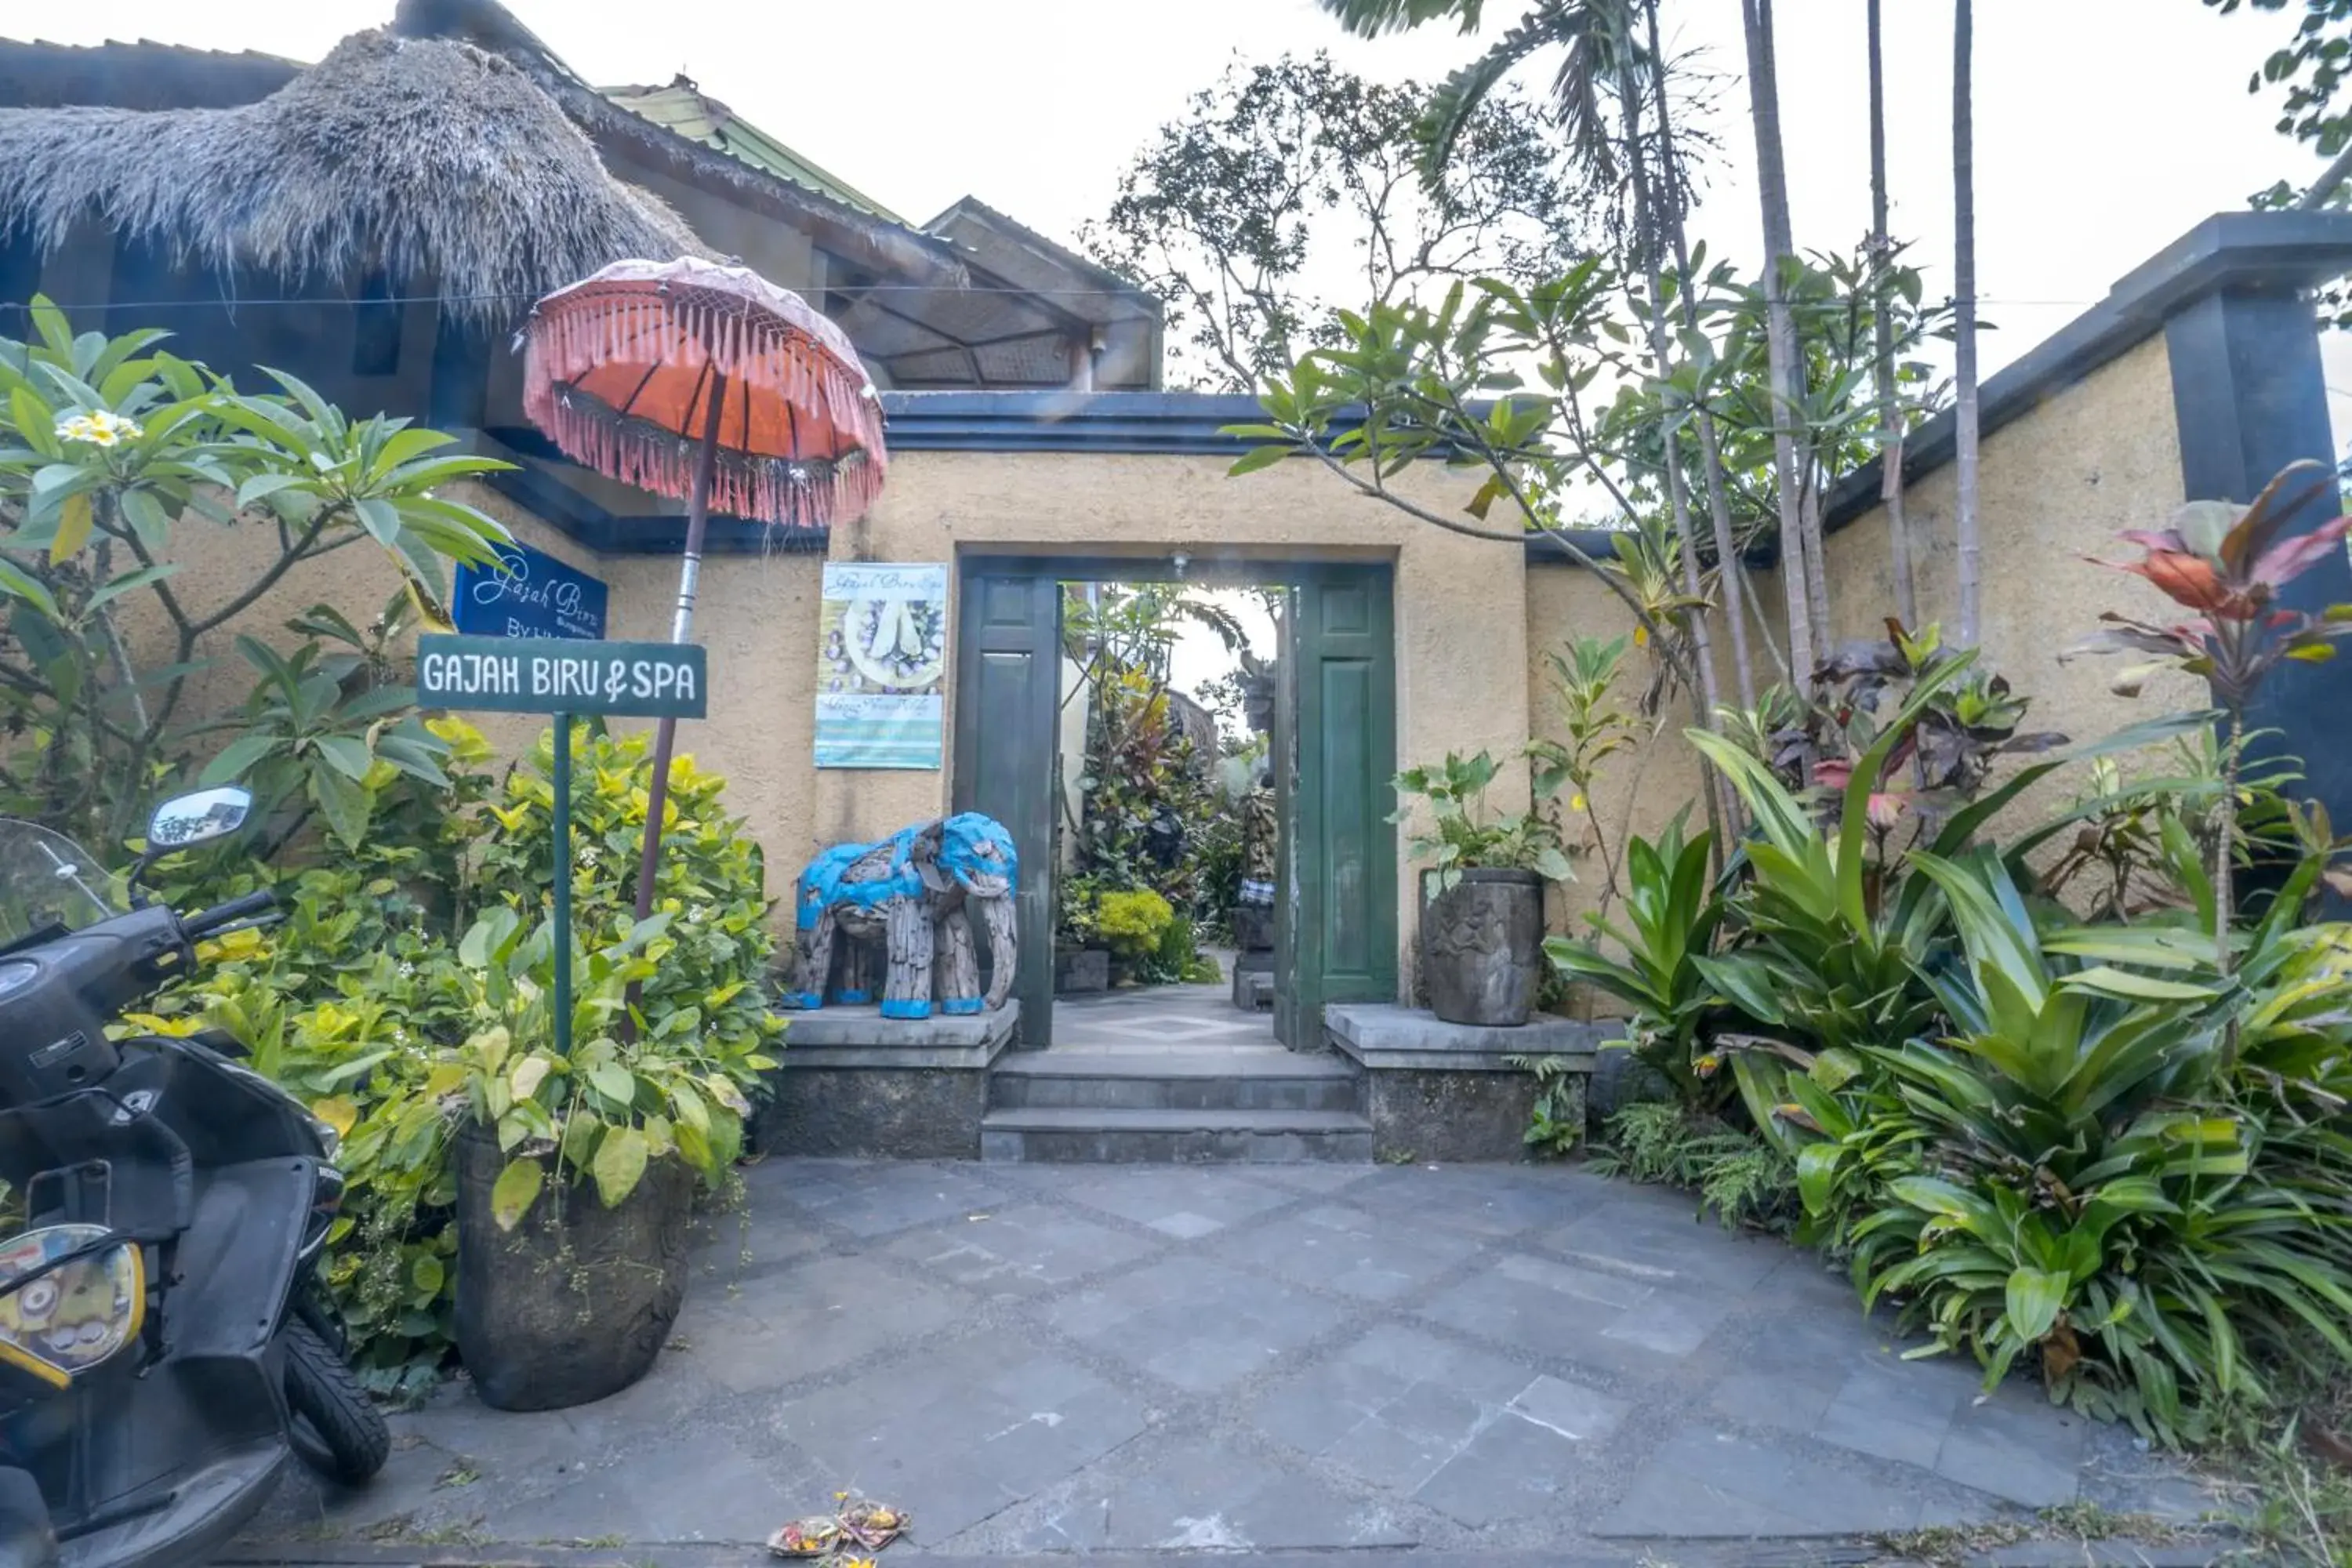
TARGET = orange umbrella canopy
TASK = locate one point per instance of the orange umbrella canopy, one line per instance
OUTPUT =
(621, 370)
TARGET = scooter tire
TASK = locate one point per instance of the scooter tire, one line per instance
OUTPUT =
(335, 1428)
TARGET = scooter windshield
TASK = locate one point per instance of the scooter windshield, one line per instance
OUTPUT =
(49, 882)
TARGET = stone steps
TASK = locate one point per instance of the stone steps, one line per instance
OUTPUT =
(1076, 1134)
(1174, 1079)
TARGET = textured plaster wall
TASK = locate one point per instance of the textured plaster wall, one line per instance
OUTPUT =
(2055, 486)
(1461, 655)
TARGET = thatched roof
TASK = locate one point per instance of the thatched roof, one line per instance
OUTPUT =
(430, 158)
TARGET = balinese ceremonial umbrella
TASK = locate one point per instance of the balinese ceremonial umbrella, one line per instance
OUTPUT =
(689, 378)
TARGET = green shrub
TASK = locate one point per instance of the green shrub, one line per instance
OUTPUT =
(2085, 1180)
(358, 999)
(1132, 922)
(711, 883)
(1743, 1179)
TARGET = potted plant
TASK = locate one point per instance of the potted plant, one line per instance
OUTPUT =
(1482, 924)
(576, 1174)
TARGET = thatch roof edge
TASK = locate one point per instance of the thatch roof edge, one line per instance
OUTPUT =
(853, 235)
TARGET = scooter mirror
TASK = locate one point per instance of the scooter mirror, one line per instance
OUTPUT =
(198, 818)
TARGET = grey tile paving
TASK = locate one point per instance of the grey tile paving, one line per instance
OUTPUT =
(1017, 1251)
(959, 1433)
(1199, 1495)
(1517, 1365)
(873, 1198)
(1209, 1200)
(1198, 1325)
(1707, 1482)
(1357, 1251)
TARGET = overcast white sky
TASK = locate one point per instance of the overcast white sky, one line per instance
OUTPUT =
(2103, 128)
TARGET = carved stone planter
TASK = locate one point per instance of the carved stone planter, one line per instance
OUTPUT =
(1482, 947)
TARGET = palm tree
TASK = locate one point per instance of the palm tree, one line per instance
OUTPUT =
(1599, 58)
(1898, 531)
(1781, 334)
(1964, 324)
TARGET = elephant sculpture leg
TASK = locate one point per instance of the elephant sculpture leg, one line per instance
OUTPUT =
(816, 959)
(906, 992)
(958, 965)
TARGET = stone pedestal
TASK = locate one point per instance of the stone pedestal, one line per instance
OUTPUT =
(1448, 1091)
(852, 1082)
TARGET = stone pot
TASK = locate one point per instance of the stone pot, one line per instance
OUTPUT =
(575, 1303)
(1482, 947)
(1080, 969)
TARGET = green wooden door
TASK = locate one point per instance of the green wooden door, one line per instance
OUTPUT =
(1008, 670)
(1340, 900)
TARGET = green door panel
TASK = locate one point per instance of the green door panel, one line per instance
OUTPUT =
(1007, 675)
(1345, 902)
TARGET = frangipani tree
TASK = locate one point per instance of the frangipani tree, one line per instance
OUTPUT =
(111, 451)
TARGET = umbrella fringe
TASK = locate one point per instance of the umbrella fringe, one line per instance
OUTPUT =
(790, 493)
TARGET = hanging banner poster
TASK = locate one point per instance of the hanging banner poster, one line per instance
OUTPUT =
(882, 653)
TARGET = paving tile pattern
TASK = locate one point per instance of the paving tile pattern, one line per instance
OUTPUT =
(1516, 1362)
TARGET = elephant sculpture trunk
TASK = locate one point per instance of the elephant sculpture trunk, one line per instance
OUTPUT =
(915, 892)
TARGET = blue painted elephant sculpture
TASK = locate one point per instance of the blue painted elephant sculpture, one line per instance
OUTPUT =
(917, 890)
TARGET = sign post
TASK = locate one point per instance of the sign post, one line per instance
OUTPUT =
(563, 680)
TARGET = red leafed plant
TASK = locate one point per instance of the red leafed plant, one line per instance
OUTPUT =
(2227, 562)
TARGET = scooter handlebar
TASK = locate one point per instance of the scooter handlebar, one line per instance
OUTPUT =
(229, 913)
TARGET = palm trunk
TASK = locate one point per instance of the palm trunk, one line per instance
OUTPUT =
(1730, 569)
(1645, 211)
(1890, 445)
(1780, 333)
(1964, 287)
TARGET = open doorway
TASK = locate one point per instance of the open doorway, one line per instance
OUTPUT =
(1333, 750)
(1168, 827)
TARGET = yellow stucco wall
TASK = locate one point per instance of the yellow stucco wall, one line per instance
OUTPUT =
(2054, 486)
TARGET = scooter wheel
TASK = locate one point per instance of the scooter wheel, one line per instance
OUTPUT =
(336, 1428)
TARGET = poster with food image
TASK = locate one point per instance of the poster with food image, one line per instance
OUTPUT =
(882, 653)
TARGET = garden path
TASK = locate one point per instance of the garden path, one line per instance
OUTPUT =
(1482, 1363)
(1156, 1017)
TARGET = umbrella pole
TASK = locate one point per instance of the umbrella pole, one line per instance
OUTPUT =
(689, 576)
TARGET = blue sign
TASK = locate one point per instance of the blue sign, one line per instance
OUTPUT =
(535, 596)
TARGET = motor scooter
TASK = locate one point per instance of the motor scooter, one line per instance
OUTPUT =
(165, 1345)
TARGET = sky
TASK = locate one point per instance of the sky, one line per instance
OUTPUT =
(2104, 129)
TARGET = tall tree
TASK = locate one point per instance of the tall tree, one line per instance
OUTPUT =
(1277, 165)
(1731, 571)
(1964, 288)
(1780, 250)
(1616, 21)
(1898, 529)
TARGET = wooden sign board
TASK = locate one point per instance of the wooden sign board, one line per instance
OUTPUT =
(537, 675)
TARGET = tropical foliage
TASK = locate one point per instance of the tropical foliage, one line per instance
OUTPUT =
(119, 465)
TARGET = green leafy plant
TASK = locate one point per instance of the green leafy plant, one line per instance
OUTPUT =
(1673, 913)
(712, 882)
(1737, 1175)
(2226, 563)
(1595, 728)
(111, 452)
(611, 1106)
(1463, 835)
(319, 724)
(2090, 1189)
(1132, 922)
(1556, 1119)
